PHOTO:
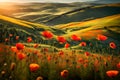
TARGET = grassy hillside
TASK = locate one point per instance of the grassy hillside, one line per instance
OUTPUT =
(108, 26)
(20, 28)
(25, 29)
(102, 19)
(22, 22)
(91, 28)
(88, 31)
(87, 13)
(60, 13)
(41, 12)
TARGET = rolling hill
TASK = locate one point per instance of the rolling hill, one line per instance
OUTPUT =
(62, 13)
(93, 27)
(41, 12)
(87, 13)
(23, 29)
(86, 21)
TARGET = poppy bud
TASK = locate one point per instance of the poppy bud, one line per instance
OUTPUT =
(64, 73)
(34, 67)
(29, 39)
(3, 73)
(39, 78)
(83, 44)
(12, 66)
(118, 65)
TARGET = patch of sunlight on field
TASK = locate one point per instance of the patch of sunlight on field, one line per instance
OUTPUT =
(116, 5)
(20, 14)
(12, 20)
(23, 23)
(35, 24)
(75, 13)
(90, 32)
(86, 33)
(38, 18)
(30, 45)
(63, 10)
(106, 21)
(99, 6)
(115, 29)
(23, 14)
(58, 12)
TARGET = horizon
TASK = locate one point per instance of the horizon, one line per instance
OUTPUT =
(45, 1)
(53, 1)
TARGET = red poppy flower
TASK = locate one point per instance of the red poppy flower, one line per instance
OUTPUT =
(86, 61)
(35, 45)
(101, 37)
(45, 49)
(20, 46)
(14, 49)
(47, 34)
(61, 39)
(29, 39)
(36, 52)
(67, 45)
(96, 63)
(1, 49)
(118, 65)
(83, 44)
(34, 67)
(75, 38)
(61, 53)
(112, 73)
(112, 45)
(64, 73)
(87, 53)
(80, 60)
(49, 58)
(21, 56)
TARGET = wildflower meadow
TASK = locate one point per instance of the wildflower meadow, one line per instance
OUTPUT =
(36, 62)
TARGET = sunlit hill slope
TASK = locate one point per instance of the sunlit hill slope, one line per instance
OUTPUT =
(23, 28)
(108, 25)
